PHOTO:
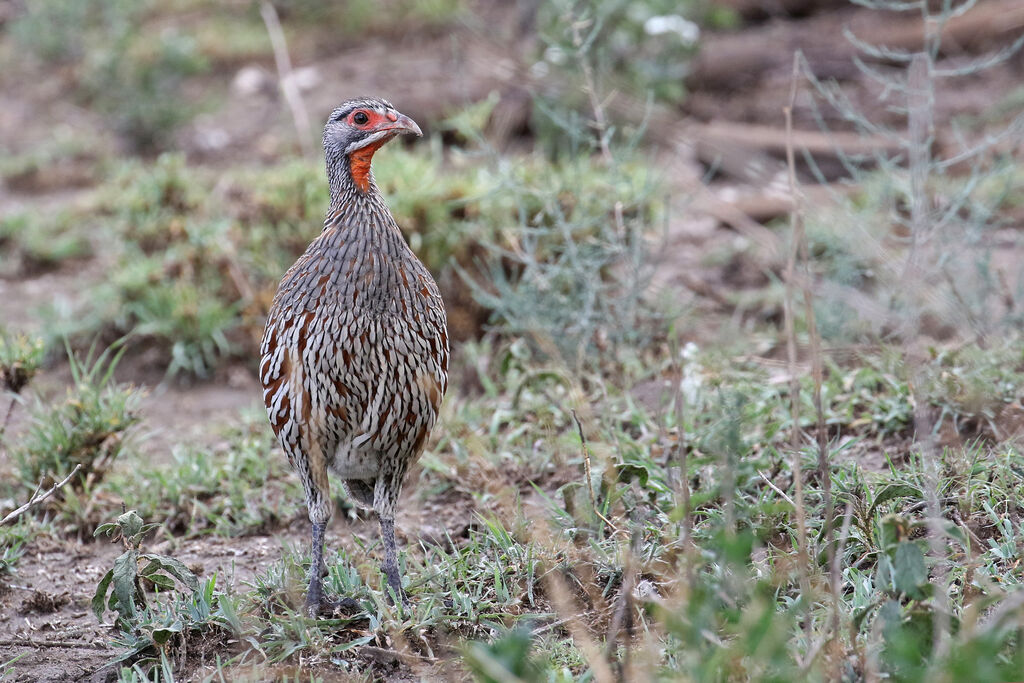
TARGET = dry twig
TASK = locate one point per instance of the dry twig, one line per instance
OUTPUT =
(600, 118)
(284, 74)
(797, 225)
(39, 498)
(586, 467)
(817, 364)
(775, 488)
(35, 643)
(7, 418)
(919, 123)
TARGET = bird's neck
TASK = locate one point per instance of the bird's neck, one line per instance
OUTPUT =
(355, 199)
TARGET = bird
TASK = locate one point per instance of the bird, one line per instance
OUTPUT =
(354, 356)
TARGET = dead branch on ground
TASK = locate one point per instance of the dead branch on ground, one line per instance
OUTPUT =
(38, 498)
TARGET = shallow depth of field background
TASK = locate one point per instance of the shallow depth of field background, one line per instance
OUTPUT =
(728, 401)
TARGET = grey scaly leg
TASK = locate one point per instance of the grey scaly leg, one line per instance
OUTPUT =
(316, 603)
(390, 564)
(315, 595)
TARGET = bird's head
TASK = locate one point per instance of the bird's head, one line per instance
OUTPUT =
(357, 129)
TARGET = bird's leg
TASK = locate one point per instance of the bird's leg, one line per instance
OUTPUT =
(315, 594)
(312, 470)
(316, 603)
(390, 564)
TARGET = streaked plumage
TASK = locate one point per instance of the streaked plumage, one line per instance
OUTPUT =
(355, 351)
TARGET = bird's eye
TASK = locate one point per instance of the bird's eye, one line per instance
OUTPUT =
(360, 117)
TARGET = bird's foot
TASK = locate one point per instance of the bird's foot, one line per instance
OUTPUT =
(393, 587)
(319, 605)
(403, 598)
(332, 608)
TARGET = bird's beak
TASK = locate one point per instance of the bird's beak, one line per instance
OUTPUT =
(403, 124)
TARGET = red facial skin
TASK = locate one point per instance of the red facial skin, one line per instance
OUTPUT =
(359, 160)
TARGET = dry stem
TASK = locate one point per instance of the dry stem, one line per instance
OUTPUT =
(569, 613)
(600, 118)
(39, 498)
(7, 418)
(586, 467)
(682, 453)
(817, 362)
(919, 112)
(796, 223)
(284, 74)
(623, 615)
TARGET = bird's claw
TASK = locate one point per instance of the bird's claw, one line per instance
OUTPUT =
(324, 607)
(403, 599)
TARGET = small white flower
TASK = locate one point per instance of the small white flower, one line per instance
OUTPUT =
(691, 381)
(645, 590)
(687, 31)
(555, 55)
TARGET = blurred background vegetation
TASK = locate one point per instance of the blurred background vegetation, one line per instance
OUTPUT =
(715, 414)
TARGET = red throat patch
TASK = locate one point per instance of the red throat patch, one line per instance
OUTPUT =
(359, 163)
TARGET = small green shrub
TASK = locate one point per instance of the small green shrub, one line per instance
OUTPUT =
(239, 488)
(123, 582)
(33, 243)
(177, 284)
(130, 72)
(151, 628)
(644, 47)
(59, 30)
(565, 258)
(137, 84)
(507, 657)
(89, 427)
(20, 359)
(387, 17)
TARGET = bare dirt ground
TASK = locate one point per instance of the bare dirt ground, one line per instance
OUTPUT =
(47, 618)
(45, 614)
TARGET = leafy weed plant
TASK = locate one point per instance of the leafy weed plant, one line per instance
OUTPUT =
(154, 629)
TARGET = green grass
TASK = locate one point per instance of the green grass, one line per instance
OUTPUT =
(13, 539)
(33, 244)
(88, 428)
(674, 542)
(729, 599)
(121, 64)
(241, 487)
(196, 268)
(743, 529)
(715, 587)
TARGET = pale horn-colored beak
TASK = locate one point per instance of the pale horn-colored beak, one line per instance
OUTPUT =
(403, 124)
